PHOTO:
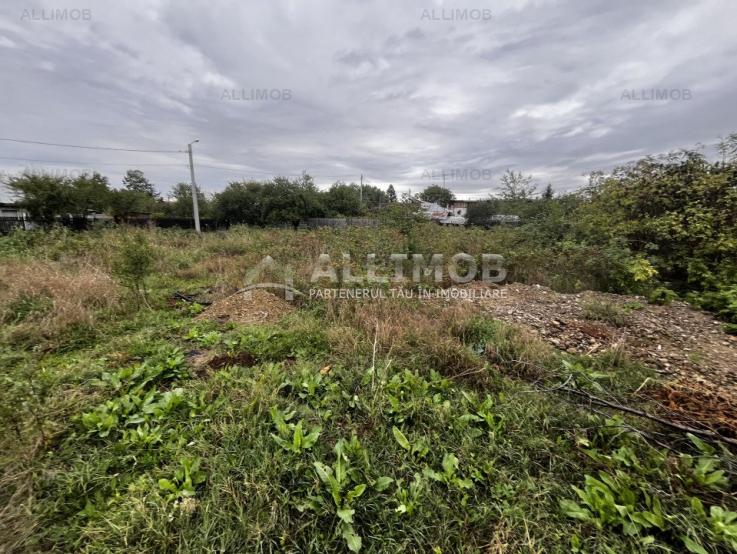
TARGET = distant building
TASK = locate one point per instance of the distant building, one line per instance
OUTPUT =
(8, 209)
(460, 207)
(433, 211)
(12, 216)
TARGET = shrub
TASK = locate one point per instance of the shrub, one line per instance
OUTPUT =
(134, 262)
(605, 311)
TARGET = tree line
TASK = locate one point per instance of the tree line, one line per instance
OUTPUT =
(280, 200)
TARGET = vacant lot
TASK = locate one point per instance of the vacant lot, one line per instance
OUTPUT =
(145, 408)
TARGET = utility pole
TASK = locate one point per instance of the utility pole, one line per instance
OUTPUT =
(443, 178)
(195, 201)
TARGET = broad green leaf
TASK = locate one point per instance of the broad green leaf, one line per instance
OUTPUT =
(166, 485)
(356, 492)
(382, 483)
(323, 472)
(450, 464)
(693, 546)
(571, 509)
(310, 440)
(400, 438)
(297, 439)
(346, 514)
(353, 541)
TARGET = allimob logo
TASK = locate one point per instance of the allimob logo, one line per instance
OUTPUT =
(456, 14)
(417, 268)
(269, 265)
(646, 95)
(256, 94)
(473, 174)
(56, 14)
(57, 172)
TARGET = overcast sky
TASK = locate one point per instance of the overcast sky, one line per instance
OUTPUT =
(398, 91)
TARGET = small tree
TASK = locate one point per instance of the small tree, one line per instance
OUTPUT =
(134, 263)
(135, 181)
(391, 194)
(516, 186)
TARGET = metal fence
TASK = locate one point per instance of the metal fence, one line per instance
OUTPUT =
(8, 224)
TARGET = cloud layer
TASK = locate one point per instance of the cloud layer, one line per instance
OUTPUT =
(398, 91)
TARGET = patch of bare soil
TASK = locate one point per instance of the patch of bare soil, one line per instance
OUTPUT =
(255, 306)
(245, 359)
(694, 404)
(685, 345)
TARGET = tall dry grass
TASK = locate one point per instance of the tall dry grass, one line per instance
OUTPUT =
(50, 296)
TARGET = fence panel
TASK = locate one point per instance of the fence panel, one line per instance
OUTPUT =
(8, 224)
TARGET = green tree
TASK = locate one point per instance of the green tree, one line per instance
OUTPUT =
(391, 194)
(516, 186)
(437, 194)
(179, 203)
(374, 197)
(44, 196)
(343, 199)
(240, 203)
(123, 202)
(548, 192)
(286, 201)
(728, 148)
(135, 181)
(90, 193)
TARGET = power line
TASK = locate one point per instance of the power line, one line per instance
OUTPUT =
(265, 172)
(243, 170)
(87, 163)
(92, 164)
(92, 147)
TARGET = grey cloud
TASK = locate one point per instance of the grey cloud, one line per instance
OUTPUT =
(373, 88)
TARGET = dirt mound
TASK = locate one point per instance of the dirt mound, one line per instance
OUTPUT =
(682, 343)
(255, 306)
